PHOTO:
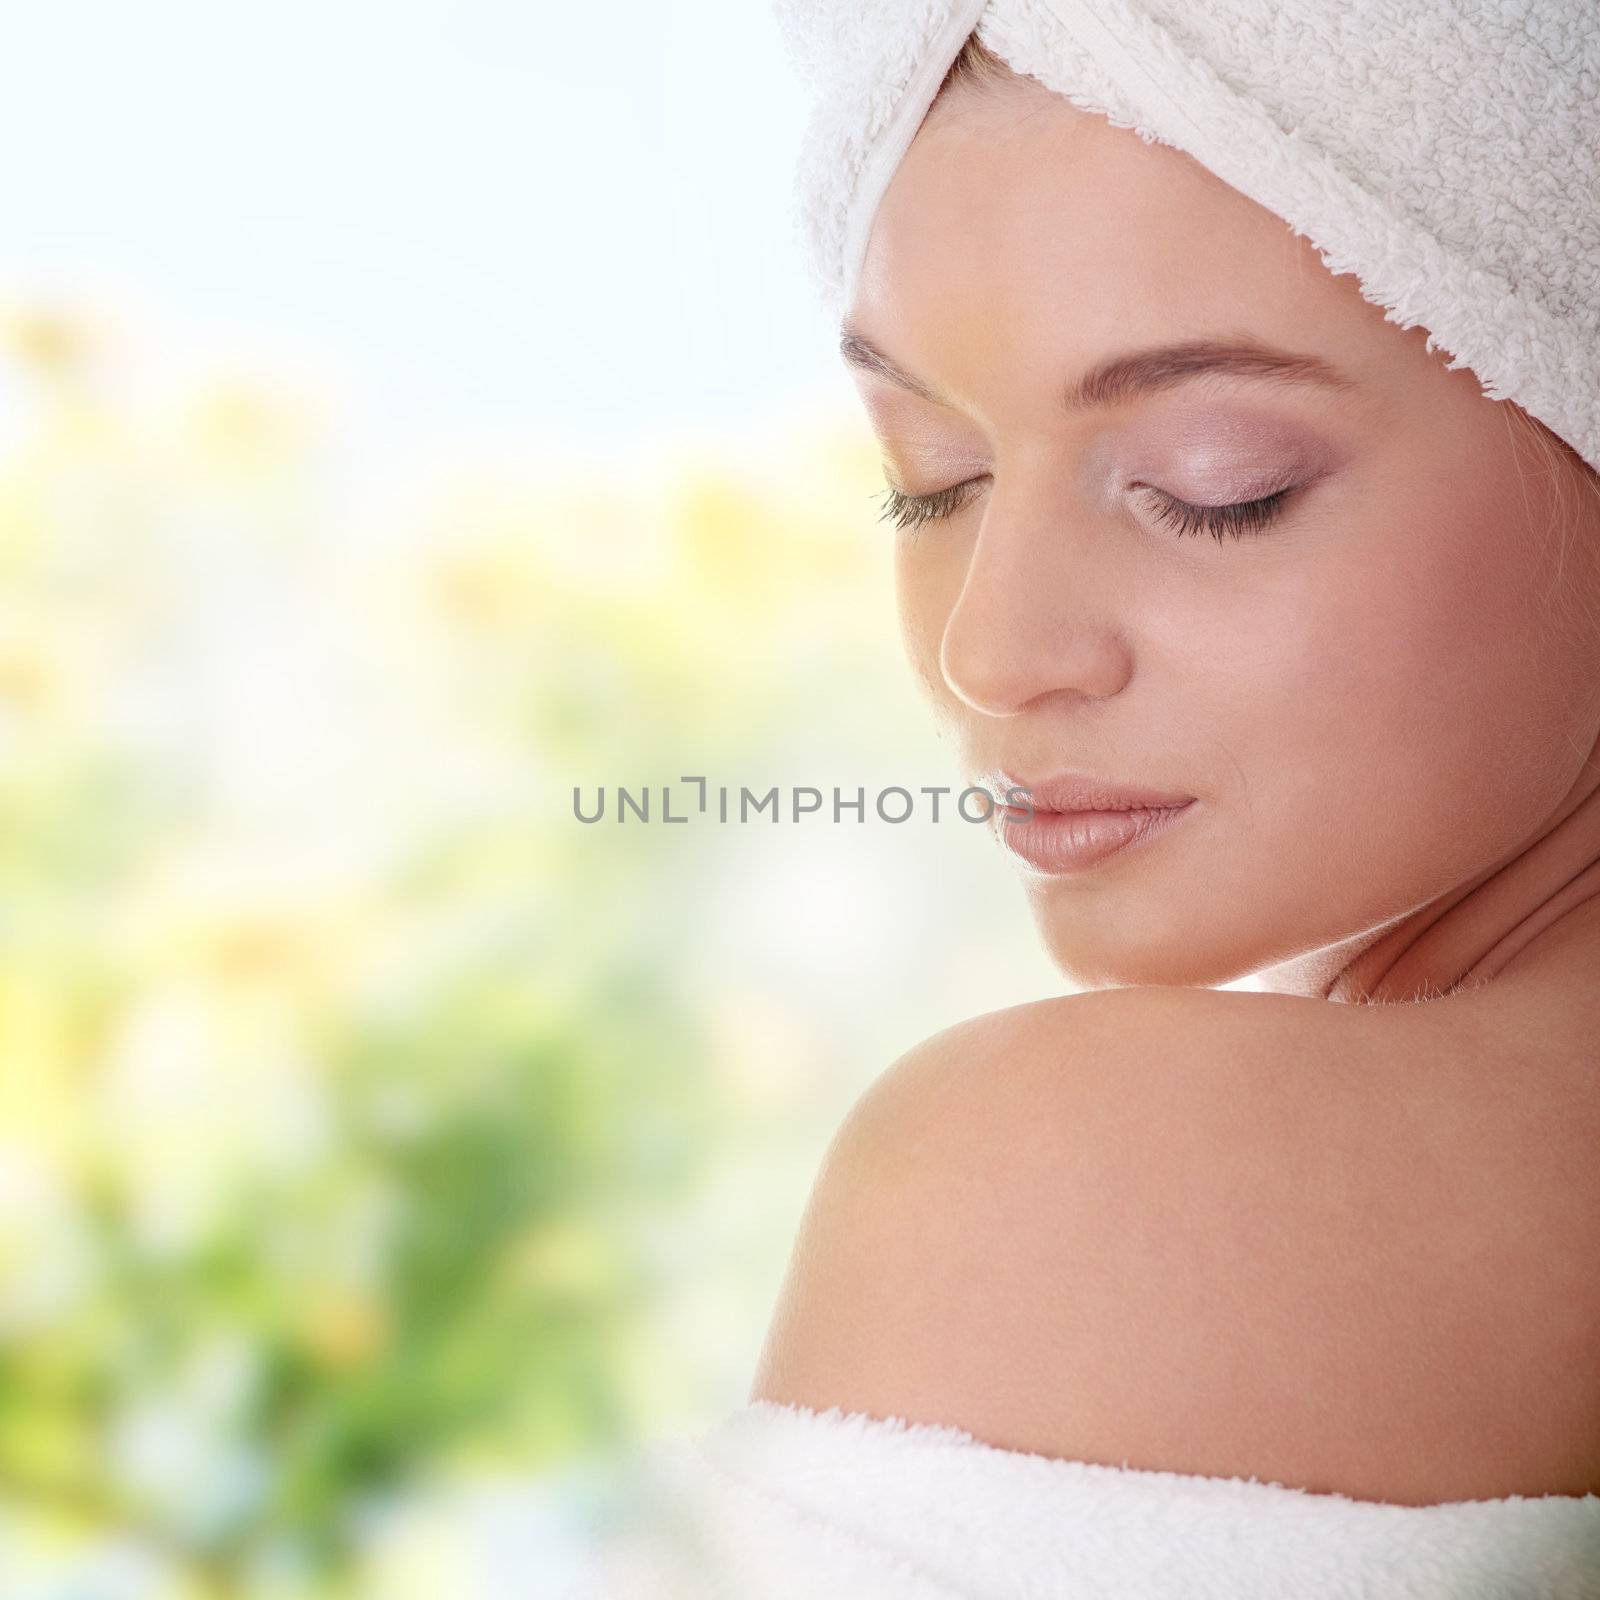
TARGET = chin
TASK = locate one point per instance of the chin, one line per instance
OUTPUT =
(1088, 959)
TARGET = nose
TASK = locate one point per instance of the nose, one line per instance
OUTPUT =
(1041, 611)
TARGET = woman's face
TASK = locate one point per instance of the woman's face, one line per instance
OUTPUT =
(1374, 694)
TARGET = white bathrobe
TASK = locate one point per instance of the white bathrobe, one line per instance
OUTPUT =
(778, 1503)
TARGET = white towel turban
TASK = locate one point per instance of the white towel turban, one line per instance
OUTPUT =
(1446, 152)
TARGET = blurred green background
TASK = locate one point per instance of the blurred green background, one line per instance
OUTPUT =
(384, 1153)
(369, 1127)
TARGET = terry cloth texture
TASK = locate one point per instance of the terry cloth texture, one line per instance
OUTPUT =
(780, 1503)
(1445, 152)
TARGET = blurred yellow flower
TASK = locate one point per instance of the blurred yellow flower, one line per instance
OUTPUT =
(341, 1329)
(47, 340)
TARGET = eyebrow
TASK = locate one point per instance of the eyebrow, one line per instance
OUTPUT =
(1136, 372)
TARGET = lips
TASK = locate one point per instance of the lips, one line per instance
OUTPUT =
(1079, 821)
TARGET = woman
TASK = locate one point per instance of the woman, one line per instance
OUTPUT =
(1295, 578)
(1266, 558)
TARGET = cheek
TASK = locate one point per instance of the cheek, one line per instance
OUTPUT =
(928, 577)
(1420, 685)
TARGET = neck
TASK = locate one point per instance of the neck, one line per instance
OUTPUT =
(1534, 913)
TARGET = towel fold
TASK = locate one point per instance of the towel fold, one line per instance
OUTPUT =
(780, 1503)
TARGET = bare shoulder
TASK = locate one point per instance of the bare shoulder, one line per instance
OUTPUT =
(1217, 1232)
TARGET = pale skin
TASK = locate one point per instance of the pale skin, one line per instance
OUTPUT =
(1339, 1234)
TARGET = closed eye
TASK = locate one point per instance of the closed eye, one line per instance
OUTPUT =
(1238, 519)
(911, 511)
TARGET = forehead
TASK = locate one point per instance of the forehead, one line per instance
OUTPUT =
(1015, 221)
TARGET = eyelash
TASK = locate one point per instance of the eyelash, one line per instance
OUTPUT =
(1240, 519)
(912, 511)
